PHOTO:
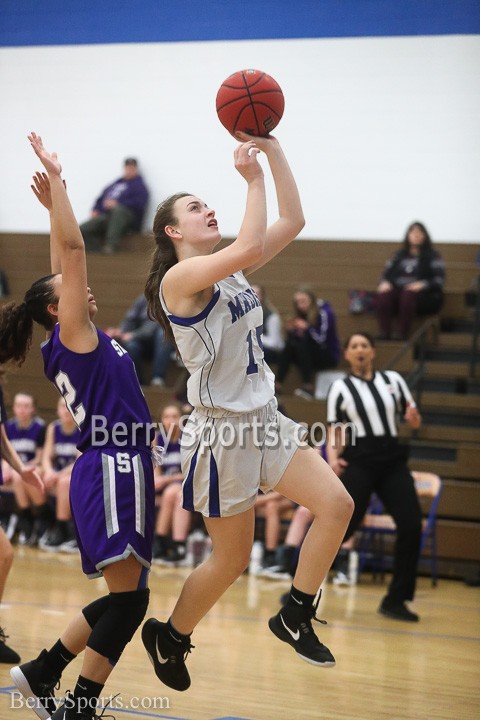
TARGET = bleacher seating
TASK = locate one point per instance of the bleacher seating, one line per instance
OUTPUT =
(449, 441)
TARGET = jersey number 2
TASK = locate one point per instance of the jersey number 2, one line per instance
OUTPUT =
(69, 393)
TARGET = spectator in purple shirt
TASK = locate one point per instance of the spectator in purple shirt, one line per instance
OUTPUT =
(311, 341)
(119, 208)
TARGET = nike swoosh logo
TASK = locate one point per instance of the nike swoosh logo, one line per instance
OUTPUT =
(299, 602)
(295, 635)
(160, 657)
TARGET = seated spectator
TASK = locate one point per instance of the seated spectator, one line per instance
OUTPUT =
(59, 454)
(311, 343)
(26, 433)
(144, 339)
(272, 339)
(411, 284)
(173, 522)
(118, 210)
(343, 562)
(273, 507)
(7, 654)
(286, 556)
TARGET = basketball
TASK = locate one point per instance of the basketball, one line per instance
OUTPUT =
(250, 101)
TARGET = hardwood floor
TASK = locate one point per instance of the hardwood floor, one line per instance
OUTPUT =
(240, 671)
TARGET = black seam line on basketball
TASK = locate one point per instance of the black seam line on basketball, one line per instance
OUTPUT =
(251, 103)
(256, 120)
(235, 100)
(236, 87)
(267, 106)
(254, 83)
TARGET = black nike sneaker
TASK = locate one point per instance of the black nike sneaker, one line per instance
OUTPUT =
(37, 684)
(293, 625)
(167, 654)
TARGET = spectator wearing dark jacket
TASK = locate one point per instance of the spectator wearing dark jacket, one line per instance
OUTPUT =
(411, 283)
(311, 341)
(118, 210)
(143, 339)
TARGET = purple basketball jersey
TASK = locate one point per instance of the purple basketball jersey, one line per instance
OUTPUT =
(102, 392)
(171, 464)
(26, 441)
(64, 446)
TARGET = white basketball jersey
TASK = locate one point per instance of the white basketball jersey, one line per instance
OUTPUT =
(221, 348)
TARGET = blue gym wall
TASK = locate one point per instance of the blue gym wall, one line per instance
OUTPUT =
(56, 22)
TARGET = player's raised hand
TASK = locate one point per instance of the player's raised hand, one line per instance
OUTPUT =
(263, 143)
(246, 162)
(48, 160)
(41, 189)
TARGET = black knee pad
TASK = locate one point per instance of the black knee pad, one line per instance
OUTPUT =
(93, 612)
(116, 627)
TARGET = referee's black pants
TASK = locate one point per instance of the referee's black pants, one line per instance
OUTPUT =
(395, 487)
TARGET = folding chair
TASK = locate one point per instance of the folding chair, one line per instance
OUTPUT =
(377, 525)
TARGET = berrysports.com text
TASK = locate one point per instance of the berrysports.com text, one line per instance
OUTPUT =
(230, 434)
(113, 702)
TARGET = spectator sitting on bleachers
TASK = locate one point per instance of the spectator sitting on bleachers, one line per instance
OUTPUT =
(311, 342)
(7, 654)
(26, 433)
(411, 284)
(59, 454)
(272, 339)
(119, 209)
(173, 522)
(144, 339)
(286, 556)
(273, 507)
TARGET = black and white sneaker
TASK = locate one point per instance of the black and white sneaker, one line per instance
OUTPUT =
(69, 546)
(52, 540)
(7, 654)
(275, 572)
(167, 654)
(294, 626)
(37, 685)
(68, 711)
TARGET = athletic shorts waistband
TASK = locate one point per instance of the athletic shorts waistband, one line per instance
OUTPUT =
(271, 406)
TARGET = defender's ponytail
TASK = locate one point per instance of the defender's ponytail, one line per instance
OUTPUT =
(16, 321)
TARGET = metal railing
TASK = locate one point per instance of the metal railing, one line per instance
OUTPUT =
(476, 331)
(418, 342)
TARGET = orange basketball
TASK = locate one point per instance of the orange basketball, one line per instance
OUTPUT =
(250, 101)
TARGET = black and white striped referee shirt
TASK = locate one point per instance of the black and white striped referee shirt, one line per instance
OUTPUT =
(372, 405)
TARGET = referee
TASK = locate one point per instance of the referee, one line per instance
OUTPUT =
(363, 449)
